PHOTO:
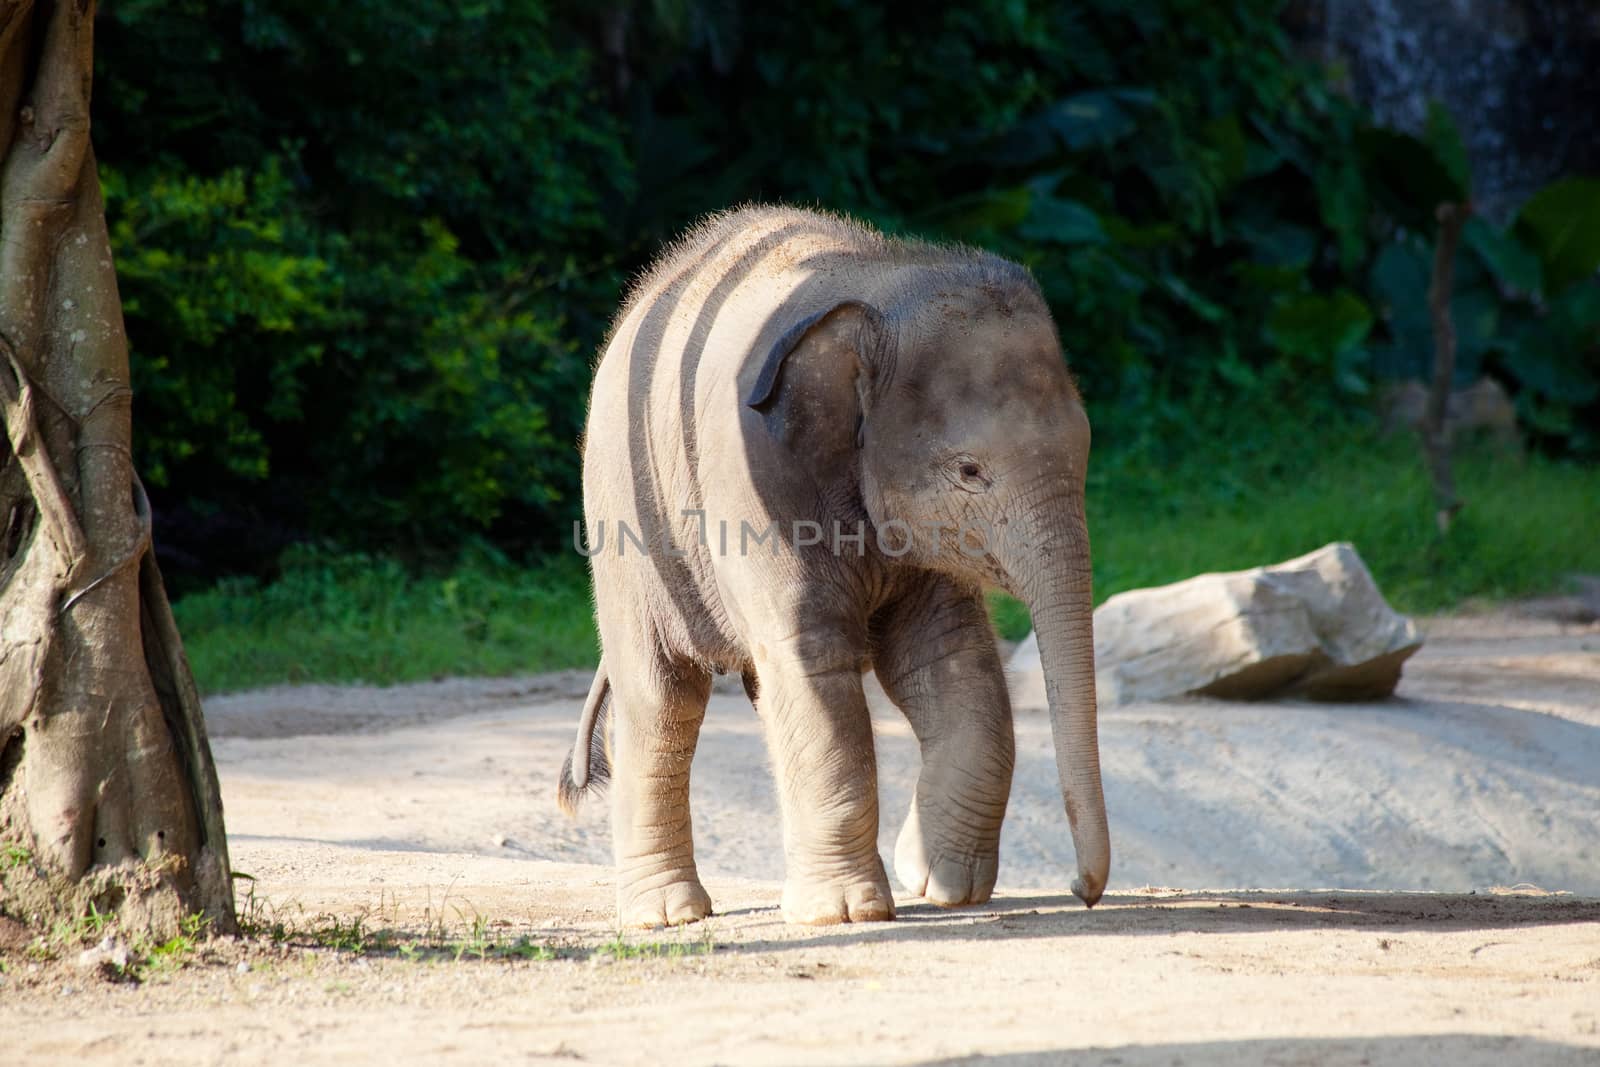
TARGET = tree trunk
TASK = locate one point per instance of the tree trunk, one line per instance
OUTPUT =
(108, 794)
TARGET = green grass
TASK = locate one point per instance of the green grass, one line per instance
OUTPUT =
(1527, 522)
(470, 936)
(620, 948)
(1277, 495)
(366, 619)
(173, 954)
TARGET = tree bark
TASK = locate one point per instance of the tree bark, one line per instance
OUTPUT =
(1436, 428)
(108, 794)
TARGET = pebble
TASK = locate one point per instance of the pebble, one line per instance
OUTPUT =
(243, 967)
(110, 950)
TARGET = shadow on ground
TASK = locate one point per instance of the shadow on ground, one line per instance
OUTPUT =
(1457, 1050)
(1041, 917)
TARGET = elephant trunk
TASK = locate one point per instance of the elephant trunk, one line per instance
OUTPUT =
(1052, 575)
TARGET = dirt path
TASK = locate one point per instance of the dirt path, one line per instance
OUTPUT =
(428, 811)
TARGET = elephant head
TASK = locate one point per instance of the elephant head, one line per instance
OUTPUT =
(968, 444)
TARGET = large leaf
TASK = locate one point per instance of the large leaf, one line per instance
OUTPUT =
(1558, 354)
(1513, 265)
(1444, 138)
(1318, 325)
(1229, 151)
(1342, 196)
(1125, 233)
(1097, 118)
(1562, 224)
(1408, 176)
(1475, 314)
(1192, 300)
(1277, 243)
(986, 211)
(1061, 221)
(1399, 281)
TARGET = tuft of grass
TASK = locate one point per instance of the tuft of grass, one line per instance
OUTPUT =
(144, 957)
(83, 929)
(359, 618)
(620, 948)
(479, 938)
(173, 954)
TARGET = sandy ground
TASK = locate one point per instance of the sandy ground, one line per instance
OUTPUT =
(430, 805)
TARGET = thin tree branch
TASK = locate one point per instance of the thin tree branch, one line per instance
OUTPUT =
(1436, 423)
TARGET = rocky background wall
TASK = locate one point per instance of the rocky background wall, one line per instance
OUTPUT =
(1520, 77)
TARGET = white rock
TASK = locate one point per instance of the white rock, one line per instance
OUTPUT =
(109, 951)
(1316, 626)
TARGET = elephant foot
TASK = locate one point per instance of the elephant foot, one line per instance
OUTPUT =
(827, 903)
(672, 904)
(939, 874)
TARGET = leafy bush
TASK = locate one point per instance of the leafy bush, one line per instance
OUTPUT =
(364, 260)
(367, 257)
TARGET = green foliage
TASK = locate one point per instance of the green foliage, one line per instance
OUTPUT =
(218, 263)
(367, 258)
(364, 257)
(173, 954)
(1526, 300)
(1562, 223)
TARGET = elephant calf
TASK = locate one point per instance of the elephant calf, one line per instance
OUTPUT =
(809, 449)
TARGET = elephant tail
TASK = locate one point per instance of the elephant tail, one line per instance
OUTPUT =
(587, 767)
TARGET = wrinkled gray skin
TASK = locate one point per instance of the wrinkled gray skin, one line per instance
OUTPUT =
(779, 364)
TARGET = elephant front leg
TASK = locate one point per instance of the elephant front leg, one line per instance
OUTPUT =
(820, 736)
(654, 732)
(937, 662)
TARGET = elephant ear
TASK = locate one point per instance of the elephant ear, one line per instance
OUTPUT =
(850, 324)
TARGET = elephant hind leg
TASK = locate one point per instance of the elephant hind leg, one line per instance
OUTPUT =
(937, 661)
(655, 715)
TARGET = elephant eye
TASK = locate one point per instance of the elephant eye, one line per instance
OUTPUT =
(966, 474)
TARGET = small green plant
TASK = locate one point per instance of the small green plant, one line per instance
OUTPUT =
(341, 935)
(620, 948)
(88, 927)
(259, 919)
(13, 855)
(173, 954)
(477, 941)
(481, 943)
